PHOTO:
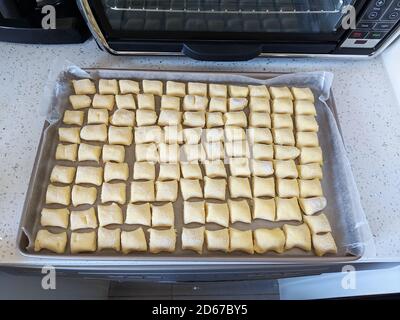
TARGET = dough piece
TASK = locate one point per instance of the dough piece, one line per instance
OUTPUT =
(80, 101)
(169, 153)
(94, 132)
(146, 152)
(97, 116)
(194, 212)
(144, 171)
(280, 93)
(261, 168)
(285, 169)
(239, 167)
(318, 223)
(146, 101)
(120, 135)
(129, 86)
(263, 151)
(218, 105)
(282, 106)
(193, 239)
(83, 242)
(90, 175)
(108, 86)
(259, 104)
(215, 169)
(101, 101)
(259, 135)
(218, 240)
(280, 121)
(264, 209)
(109, 214)
(303, 94)
(263, 187)
(192, 135)
(143, 191)
(310, 171)
(239, 187)
(148, 134)
(62, 174)
(214, 150)
(287, 209)
(84, 86)
(306, 123)
(269, 240)
(88, 152)
(113, 153)
(237, 118)
(58, 195)
(312, 205)
(166, 190)
(215, 135)
(153, 87)
(125, 101)
(123, 117)
(69, 135)
(163, 216)
(259, 91)
(195, 103)
(260, 119)
(304, 107)
(109, 239)
(214, 119)
(66, 152)
(238, 149)
(310, 188)
(162, 240)
(323, 244)
(194, 119)
(84, 219)
(239, 211)
(286, 152)
(191, 188)
(218, 90)
(170, 118)
(217, 213)
(241, 241)
(113, 192)
(116, 171)
(197, 89)
(54, 218)
(83, 195)
(55, 242)
(194, 152)
(170, 103)
(138, 214)
(311, 155)
(307, 139)
(287, 188)
(173, 134)
(73, 117)
(233, 133)
(214, 188)
(191, 171)
(238, 91)
(133, 241)
(237, 104)
(297, 237)
(169, 171)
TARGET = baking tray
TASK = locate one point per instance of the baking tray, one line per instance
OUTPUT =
(347, 236)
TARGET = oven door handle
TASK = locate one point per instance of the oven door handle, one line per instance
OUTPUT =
(222, 51)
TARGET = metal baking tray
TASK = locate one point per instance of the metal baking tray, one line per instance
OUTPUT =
(347, 239)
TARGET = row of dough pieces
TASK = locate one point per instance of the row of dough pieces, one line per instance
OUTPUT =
(226, 240)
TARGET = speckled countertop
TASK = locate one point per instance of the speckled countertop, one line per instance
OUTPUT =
(368, 111)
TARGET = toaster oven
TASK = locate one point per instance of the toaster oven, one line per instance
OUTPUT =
(243, 29)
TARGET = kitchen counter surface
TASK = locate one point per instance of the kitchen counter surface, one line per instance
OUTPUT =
(368, 112)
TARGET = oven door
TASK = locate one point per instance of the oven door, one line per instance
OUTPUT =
(219, 29)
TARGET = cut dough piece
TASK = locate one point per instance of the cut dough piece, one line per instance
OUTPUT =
(58, 195)
(147, 152)
(193, 239)
(143, 191)
(66, 152)
(109, 214)
(197, 89)
(123, 117)
(215, 169)
(238, 91)
(318, 223)
(113, 153)
(312, 205)
(194, 152)
(233, 133)
(194, 119)
(307, 139)
(146, 117)
(218, 240)
(285, 169)
(280, 121)
(55, 242)
(88, 152)
(311, 155)
(282, 106)
(269, 240)
(125, 101)
(101, 101)
(108, 86)
(169, 171)
(120, 135)
(237, 104)
(286, 152)
(84, 86)
(62, 174)
(283, 137)
(310, 171)
(218, 90)
(264, 209)
(263, 187)
(260, 91)
(239, 211)
(239, 187)
(191, 171)
(261, 168)
(166, 190)
(303, 94)
(138, 214)
(153, 87)
(259, 135)
(163, 216)
(113, 192)
(237, 149)
(260, 119)
(287, 209)
(146, 101)
(83, 242)
(297, 237)
(73, 117)
(214, 150)
(215, 135)
(263, 151)
(195, 103)
(97, 116)
(116, 171)
(280, 93)
(173, 134)
(237, 118)
(241, 241)
(170, 103)
(218, 105)
(323, 244)
(287, 188)
(54, 218)
(192, 135)
(94, 132)
(214, 119)
(217, 213)
(214, 188)
(69, 135)
(306, 123)
(194, 212)
(177, 89)
(144, 171)
(170, 118)
(148, 134)
(239, 167)
(169, 153)
(83, 195)
(304, 107)
(109, 239)
(84, 219)
(90, 175)
(132, 241)
(80, 101)
(259, 104)
(129, 86)
(191, 188)
(310, 188)
(162, 240)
